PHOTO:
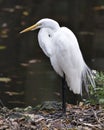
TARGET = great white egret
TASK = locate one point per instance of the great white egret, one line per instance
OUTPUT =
(61, 46)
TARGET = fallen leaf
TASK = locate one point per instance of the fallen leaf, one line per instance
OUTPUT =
(25, 13)
(2, 47)
(5, 79)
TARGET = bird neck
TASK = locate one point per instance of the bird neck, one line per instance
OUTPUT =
(55, 27)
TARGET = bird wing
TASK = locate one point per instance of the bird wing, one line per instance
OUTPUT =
(69, 58)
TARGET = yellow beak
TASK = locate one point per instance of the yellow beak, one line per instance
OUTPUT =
(33, 27)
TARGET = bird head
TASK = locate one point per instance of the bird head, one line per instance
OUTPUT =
(43, 23)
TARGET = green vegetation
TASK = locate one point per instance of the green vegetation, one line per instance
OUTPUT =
(97, 94)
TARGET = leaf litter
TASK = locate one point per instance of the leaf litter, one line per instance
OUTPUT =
(49, 116)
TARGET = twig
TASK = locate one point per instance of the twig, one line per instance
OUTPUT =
(1, 103)
(92, 126)
(96, 117)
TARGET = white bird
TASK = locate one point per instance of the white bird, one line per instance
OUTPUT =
(61, 46)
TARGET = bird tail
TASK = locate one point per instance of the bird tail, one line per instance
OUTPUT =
(88, 78)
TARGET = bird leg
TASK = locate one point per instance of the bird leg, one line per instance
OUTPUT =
(63, 94)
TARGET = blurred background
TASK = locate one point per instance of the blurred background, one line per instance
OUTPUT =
(26, 76)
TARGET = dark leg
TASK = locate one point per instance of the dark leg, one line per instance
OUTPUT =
(63, 94)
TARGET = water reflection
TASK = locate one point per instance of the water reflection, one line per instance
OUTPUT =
(30, 83)
(42, 83)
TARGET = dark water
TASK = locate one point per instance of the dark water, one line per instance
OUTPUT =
(42, 83)
(30, 84)
(26, 76)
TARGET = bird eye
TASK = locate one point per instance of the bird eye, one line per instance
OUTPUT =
(49, 35)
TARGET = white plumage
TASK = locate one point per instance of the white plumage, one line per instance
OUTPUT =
(61, 46)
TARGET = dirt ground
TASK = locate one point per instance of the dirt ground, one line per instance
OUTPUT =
(49, 116)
